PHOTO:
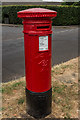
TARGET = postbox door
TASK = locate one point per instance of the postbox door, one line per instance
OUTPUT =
(38, 62)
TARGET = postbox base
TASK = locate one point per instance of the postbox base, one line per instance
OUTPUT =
(39, 104)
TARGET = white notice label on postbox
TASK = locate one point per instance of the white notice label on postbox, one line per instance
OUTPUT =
(43, 43)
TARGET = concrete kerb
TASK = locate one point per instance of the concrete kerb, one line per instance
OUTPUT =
(14, 25)
(11, 25)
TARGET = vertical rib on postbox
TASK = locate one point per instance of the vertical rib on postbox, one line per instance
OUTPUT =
(37, 43)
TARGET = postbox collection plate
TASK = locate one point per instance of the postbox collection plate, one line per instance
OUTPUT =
(43, 43)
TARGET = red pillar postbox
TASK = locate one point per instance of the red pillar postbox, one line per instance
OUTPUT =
(37, 42)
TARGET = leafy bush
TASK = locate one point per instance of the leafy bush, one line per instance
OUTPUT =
(66, 15)
(67, 3)
(71, 3)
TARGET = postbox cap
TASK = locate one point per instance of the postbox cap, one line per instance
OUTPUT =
(37, 12)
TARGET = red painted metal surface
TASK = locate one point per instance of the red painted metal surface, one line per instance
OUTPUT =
(37, 26)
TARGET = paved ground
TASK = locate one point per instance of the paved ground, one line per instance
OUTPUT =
(54, 1)
(64, 47)
(28, 2)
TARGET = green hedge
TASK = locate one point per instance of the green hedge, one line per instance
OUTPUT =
(66, 15)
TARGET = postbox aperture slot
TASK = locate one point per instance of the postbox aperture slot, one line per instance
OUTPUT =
(43, 27)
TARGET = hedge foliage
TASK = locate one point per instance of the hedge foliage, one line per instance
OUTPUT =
(66, 15)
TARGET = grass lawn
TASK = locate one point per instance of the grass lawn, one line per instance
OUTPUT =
(64, 93)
